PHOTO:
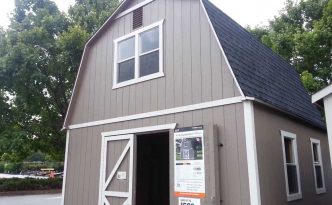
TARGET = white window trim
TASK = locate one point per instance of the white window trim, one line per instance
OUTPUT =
(135, 34)
(319, 150)
(295, 196)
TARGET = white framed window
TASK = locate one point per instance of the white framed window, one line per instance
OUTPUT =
(291, 166)
(138, 56)
(318, 166)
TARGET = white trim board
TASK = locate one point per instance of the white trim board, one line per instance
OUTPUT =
(140, 130)
(222, 50)
(322, 93)
(253, 173)
(65, 170)
(186, 108)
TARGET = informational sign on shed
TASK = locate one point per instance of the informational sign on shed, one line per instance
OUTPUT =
(189, 201)
(189, 170)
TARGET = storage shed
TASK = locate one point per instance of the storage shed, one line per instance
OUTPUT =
(162, 72)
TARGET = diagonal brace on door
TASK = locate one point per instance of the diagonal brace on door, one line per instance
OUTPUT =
(122, 156)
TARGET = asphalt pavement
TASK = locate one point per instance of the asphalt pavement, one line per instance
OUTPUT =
(49, 199)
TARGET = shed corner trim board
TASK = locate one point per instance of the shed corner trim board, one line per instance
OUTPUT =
(250, 138)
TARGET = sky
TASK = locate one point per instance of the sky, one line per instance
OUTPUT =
(245, 12)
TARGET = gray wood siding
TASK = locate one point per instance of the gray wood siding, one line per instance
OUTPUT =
(270, 158)
(195, 70)
(82, 183)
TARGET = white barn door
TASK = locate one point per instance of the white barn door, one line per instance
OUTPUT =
(117, 170)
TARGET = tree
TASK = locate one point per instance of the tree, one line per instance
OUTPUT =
(302, 35)
(91, 14)
(40, 54)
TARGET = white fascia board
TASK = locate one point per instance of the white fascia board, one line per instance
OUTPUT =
(322, 93)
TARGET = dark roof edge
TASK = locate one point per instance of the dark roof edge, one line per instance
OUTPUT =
(287, 113)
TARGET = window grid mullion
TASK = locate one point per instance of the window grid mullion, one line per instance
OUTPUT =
(136, 56)
(148, 52)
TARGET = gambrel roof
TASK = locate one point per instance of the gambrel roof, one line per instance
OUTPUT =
(260, 72)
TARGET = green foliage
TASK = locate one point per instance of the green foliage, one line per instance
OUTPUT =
(40, 54)
(57, 166)
(36, 157)
(2, 167)
(302, 34)
(6, 157)
(91, 14)
(28, 184)
(13, 168)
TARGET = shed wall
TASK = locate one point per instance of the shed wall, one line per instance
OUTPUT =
(195, 69)
(268, 124)
(82, 184)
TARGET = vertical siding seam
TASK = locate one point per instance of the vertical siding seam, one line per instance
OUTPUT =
(106, 73)
(103, 114)
(164, 58)
(222, 75)
(190, 62)
(238, 154)
(84, 166)
(94, 83)
(78, 173)
(173, 54)
(200, 52)
(90, 162)
(211, 67)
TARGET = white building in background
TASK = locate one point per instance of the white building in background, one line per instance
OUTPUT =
(326, 95)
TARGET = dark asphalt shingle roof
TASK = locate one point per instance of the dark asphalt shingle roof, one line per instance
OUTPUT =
(260, 72)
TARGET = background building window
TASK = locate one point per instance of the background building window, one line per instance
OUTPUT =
(291, 166)
(318, 166)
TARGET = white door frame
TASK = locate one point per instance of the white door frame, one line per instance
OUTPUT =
(122, 135)
(104, 184)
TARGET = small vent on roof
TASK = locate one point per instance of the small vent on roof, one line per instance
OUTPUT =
(138, 18)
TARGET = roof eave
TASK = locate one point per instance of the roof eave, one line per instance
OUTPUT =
(322, 94)
(287, 113)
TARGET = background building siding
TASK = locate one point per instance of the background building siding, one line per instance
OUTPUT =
(82, 183)
(270, 158)
(195, 70)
